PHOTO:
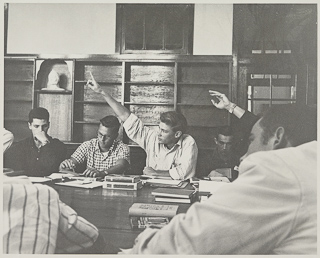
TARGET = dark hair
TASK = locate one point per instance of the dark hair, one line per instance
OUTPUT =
(298, 121)
(38, 113)
(176, 120)
(226, 131)
(110, 122)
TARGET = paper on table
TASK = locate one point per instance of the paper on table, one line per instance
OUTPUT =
(60, 175)
(210, 186)
(82, 184)
(35, 179)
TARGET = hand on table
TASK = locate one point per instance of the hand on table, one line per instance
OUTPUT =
(92, 172)
(149, 171)
(67, 164)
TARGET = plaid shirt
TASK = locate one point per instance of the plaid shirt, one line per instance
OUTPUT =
(89, 151)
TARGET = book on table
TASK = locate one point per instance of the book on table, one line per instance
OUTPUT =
(122, 185)
(174, 195)
(143, 215)
(172, 199)
(153, 210)
(173, 192)
(122, 178)
(140, 222)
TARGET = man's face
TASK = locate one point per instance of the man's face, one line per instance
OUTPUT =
(256, 141)
(224, 145)
(38, 126)
(166, 135)
(106, 136)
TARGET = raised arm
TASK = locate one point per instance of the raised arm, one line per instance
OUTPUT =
(220, 101)
(121, 111)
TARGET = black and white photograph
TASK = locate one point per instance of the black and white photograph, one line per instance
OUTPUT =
(160, 127)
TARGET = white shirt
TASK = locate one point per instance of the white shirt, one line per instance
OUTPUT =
(180, 160)
(270, 209)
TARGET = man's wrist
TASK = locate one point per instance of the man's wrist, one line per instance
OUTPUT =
(44, 143)
(104, 173)
(231, 107)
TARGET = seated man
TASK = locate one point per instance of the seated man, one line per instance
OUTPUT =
(35, 221)
(270, 209)
(170, 152)
(40, 154)
(223, 159)
(104, 154)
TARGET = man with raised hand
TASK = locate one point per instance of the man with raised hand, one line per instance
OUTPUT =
(241, 126)
(170, 152)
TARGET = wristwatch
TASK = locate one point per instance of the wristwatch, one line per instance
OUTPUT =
(232, 107)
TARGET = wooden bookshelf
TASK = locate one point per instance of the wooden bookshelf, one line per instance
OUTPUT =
(18, 95)
(146, 86)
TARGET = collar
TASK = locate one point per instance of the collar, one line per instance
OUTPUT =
(111, 149)
(177, 144)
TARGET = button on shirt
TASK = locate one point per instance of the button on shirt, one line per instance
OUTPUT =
(89, 151)
(180, 160)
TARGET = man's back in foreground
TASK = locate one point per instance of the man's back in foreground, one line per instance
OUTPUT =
(269, 209)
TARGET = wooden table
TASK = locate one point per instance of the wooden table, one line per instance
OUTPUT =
(108, 210)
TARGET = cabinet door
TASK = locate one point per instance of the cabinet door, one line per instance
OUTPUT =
(149, 90)
(18, 91)
(194, 102)
(90, 107)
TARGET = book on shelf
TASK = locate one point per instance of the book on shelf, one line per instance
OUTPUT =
(123, 185)
(141, 222)
(122, 178)
(153, 210)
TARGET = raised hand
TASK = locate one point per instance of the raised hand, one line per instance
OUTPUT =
(93, 85)
(41, 137)
(220, 100)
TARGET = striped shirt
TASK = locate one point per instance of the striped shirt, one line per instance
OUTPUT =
(35, 221)
(89, 151)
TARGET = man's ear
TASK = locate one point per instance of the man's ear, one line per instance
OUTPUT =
(29, 125)
(215, 140)
(280, 139)
(177, 134)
